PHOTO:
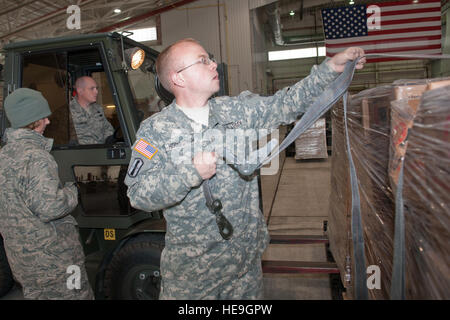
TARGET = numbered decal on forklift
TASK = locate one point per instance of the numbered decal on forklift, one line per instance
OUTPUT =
(109, 234)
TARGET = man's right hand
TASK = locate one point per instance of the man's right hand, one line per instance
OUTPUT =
(205, 163)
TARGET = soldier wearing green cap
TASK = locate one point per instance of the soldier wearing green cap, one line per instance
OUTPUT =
(40, 236)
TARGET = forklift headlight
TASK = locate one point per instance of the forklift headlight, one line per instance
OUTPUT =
(135, 57)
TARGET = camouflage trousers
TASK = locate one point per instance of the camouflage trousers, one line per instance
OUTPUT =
(56, 271)
(248, 286)
(43, 287)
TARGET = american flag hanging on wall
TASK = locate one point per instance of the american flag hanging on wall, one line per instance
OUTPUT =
(397, 27)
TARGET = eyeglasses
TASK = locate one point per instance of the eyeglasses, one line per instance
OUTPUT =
(203, 60)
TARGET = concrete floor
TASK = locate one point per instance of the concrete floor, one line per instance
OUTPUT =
(295, 202)
(299, 207)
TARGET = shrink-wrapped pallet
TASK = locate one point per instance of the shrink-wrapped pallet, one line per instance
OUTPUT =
(404, 109)
(312, 144)
(368, 119)
(377, 145)
(426, 195)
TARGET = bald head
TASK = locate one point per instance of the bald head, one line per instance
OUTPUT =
(87, 90)
(170, 60)
(81, 82)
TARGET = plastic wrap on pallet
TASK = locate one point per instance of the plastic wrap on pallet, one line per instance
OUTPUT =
(404, 109)
(312, 144)
(387, 124)
(339, 214)
(426, 196)
(368, 117)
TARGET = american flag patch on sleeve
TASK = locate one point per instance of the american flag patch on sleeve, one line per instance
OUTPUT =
(145, 148)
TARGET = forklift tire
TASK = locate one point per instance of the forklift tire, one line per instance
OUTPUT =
(6, 278)
(133, 273)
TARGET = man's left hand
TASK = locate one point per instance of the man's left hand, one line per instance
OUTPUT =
(338, 61)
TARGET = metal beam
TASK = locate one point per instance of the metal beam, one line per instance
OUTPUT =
(17, 7)
(272, 266)
(145, 16)
(42, 19)
(297, 239)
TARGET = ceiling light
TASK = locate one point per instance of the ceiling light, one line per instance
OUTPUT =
(117, 10)
(351, 2)
(291, 13)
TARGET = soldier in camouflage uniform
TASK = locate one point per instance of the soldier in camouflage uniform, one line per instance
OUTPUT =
(197, 263)
(91, 125)
(40, 236)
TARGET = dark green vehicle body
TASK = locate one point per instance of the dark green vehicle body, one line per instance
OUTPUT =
(122, 244)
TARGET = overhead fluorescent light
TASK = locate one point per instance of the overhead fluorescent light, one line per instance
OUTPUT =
(296, 53)
(145, 34)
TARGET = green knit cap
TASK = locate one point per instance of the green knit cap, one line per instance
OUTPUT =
(24, 106)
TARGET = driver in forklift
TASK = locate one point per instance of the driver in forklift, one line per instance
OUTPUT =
(89, 120)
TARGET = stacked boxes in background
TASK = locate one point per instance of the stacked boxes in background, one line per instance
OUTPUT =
(312, 144)
(407, 121)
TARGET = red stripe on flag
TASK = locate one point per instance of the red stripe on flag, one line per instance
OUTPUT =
(404, 21)
(381, 59)
(402, 30)
(410, 11)
(402, 3)
(398, 49)
(396, 40)
(412, 49)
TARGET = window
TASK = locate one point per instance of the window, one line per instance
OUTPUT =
(144, 34)
(296, 53)
(102, 190)
(54, 75)
(47, 73)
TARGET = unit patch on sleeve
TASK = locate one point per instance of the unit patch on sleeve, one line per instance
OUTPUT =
(135, 167)
(145, 148)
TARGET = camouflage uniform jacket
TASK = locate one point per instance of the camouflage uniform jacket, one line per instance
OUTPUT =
(194, 248)
(40, 237)
(91, 126)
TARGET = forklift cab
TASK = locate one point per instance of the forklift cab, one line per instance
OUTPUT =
(122, 245)
(110, 229)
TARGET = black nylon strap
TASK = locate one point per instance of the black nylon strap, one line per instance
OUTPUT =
(321, 105)
(360, 284)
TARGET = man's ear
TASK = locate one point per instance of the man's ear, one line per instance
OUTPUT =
(177, 79)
